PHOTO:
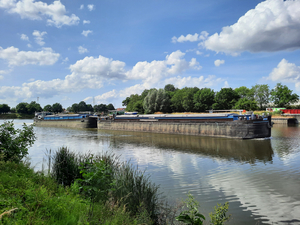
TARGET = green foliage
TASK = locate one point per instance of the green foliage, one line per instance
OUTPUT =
(14, 143)
(135, 190)
(22, 107)
(191, 216)
(39, 200)
(225, 99)
(4, 108)
(261, 94)
(219, 216)
(135, 102)
(156, 101)
(169, 87)
(33, 107)
(204, 99)
(65, 166)
(97, 179)
(247, 100)
(282, 96)
(57, 108)
(48, 108)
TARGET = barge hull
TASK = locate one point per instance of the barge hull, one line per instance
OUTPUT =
(230, 129)
(89, 122)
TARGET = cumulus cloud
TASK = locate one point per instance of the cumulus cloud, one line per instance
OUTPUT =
(100, 67)
(199, 82)
(86, 32)
(82, 50)
(17, 58)
(190, 37)
(37, 10)
(38, 36)
(219, 62)
(86, 22)
(94, 72)
(274, 25)
(286, 72)
(154, 71)
(91, 7)
(24, 37)
(105, 96)
(81, 7)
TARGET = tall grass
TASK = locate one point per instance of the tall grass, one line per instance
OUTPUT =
(103, 177)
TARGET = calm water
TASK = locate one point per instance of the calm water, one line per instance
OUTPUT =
(259, 178)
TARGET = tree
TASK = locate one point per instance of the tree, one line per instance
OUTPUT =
(4, 108)
(22, 107)
(149, 101)
(261, 94)
(247, 100)
(48, 108)
(282, 96)
(57, 108)
(169, 87)
(188, 99)
(14, 143)
(75, 108)
(204, 99)
(33, 107)
(225, 99)
(110, 107)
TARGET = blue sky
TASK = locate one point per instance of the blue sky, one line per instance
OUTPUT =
(103, 51)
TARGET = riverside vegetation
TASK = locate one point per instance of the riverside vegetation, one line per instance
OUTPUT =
(83, 189)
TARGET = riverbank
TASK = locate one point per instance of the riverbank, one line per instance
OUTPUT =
(30, 197)
(10, 116)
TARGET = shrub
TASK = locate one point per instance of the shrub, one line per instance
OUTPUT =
(14, 143)
(65, 167)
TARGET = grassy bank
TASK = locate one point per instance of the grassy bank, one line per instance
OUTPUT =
(16, 116)
(27, 197)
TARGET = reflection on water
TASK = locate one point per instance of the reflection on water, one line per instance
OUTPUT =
(259, 178)
(230, 149)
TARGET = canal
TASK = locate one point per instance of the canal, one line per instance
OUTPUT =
(259, 178)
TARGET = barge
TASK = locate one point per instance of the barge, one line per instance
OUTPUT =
(229, 125)
(65, 120)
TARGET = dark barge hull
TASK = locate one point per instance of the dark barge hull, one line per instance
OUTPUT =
(243, 129)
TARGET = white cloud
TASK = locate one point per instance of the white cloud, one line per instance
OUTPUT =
(86, 32)
(38, 36)
(219, 62)
(1, 77)
(154, 71)
(274, 25)
(65, 60)
(29, 45)
(81, 7)
(287, 72)
(24, 37)
(199, 82)
(100, 67)
(17, 58)
(105, 96)
(82, 50)
(91, 7)
(86, 22)
(37, 10)
(190, 37)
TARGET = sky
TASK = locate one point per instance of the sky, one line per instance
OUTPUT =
(103, 51)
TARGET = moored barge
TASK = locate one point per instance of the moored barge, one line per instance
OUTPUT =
(65, 120)
(229, 125)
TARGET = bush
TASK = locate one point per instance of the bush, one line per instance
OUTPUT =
(14, 143)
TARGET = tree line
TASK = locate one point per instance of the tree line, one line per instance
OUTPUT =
(192, 99)
(32, 107)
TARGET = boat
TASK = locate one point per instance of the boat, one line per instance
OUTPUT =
(229, 125)
(65, 120)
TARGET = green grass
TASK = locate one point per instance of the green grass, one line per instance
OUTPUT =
(40, 200)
